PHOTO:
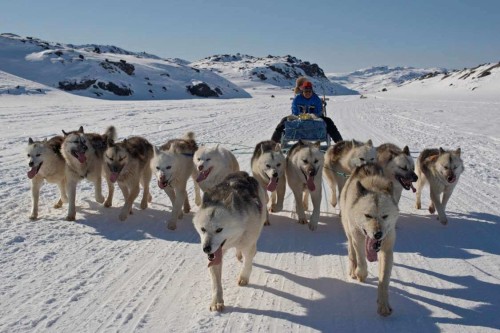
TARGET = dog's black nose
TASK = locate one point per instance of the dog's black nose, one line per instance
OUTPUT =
(207, 249)
(200, 167)
(414, 177)
(378, 235)
(275, 175)
(31, 164)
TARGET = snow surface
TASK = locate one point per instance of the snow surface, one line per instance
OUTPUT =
(102, 275)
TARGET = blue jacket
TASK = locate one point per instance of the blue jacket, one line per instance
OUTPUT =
(301, 104)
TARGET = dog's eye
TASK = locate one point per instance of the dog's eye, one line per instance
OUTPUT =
(446, 168)
(208, 159)
(453, 167)
(158, 168)
(368, 216)
(37, 155)
(121, 158)
(76, 141)
(316, 161)
(361, 159)
(29, 155)
(278, 165)
(168, 168)
(203, 230)
(110, 158)
(218, 230)
(199, 159)
(305, 161)
(405, 168)
(268, 166)
(385, 216)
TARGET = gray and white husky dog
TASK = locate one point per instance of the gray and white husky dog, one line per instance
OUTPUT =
(213, 164)
(127, 162)
(304, 170)
(398, 166)
(46, 163)
(441, 169)
(232, 215)
(268, 167)
(369, 215)
(83, 153)
(340, 161)
(173, 165)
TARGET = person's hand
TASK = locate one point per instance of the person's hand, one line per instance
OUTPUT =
(292, 117)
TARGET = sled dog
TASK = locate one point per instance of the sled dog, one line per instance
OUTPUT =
(268, 167)
(369, 215)
(398, 166)
(213, 164)
(127, 163)
(173, 165)
(46, 163)
(340, 161)
(232, 215)
(304, 164)
(83, 153)
(441, 168)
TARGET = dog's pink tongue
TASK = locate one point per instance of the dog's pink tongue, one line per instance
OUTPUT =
(32, 173)
(81, 157)
(203, 175)
(161, 184)
(113, 177)
(310, 183)
(413, 188)
(371, 253)
(271, 187)
(217, 257)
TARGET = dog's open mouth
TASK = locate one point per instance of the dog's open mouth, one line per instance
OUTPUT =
(451, 179)
(406, 183)
(216, 257)
(162, 183)
(273, 183)
(372, 246)
(203, 175)
(113, 177)
(79, 155)
(34, 170)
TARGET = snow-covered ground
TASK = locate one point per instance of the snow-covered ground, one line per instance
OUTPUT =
(99, 274)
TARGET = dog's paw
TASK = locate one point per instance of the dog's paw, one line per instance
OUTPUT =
(275, 208)
(108, 203)
(33, 217)
(418, 205)
(267, 223)
(144, 204)
(180, 216)
(99, 199)
(432, 209)
(239, 256)
(58, 204)
(333, 202)
(361, 275)
(384, 309)
(172, 225)
(187, 209)
(217, 306)
(302, 221)
(71, 217)
(242, 281)
(313, 226)
(150, 197)
(443, 220)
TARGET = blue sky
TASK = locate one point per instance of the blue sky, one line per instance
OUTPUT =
(339, 36)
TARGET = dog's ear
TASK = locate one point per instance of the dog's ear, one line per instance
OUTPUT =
(277, 148)
(80, 130)
(110, 142)
(65, 134)
(362, 191)
(30, 141)
(156, 150)
(441, 151)
(458, 152)
(317, 144)
(406, 150)
(261, 148)
(369, 143)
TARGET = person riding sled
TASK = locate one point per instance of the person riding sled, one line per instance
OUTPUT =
(309, 103)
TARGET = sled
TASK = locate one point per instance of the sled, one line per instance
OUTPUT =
(307, 130)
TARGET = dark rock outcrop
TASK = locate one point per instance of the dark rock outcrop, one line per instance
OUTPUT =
(203, 90)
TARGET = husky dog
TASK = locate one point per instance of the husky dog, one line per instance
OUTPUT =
(213, 165)
(441, 168)
(173, 165)
(369, 215)
(304, 164)
(340, 161)
(268, 167)
(398, 166)
(128, 163)
(83, 153)
(46, 163)
(232, 215)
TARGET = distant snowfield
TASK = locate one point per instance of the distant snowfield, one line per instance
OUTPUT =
(101, 275)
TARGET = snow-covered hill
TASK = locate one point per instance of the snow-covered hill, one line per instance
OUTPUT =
(278, 71)
(377, 78)
(109, 72)
(481, 82)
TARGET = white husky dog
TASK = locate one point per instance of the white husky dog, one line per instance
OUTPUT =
(304, 169)
(398, 166)
(46, 163)
(268, 167)
(441, 169)
(213, 164)
(83, 153)
(340, 161)
(232, 215)
(173, 165)
(369, 215)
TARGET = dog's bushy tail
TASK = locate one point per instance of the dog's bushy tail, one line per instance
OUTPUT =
(189, 136)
